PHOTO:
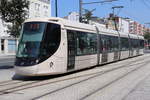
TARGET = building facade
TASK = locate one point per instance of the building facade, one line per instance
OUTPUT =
(118, 23)
(137, 28)
(8, 45)
(73, 16)
(37, 9)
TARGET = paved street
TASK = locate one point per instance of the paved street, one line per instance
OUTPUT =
(124, 80)
(6, 67)
(7, 60)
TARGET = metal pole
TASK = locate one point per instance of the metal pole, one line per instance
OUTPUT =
(81, 4)
(56, 8)
(115, 8)
(80, 10)
(113, 12)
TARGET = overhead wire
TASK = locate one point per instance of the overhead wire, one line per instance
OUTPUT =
(145, 3)
(126, 12)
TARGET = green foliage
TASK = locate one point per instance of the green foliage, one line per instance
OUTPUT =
(147, 35)
(88, 14)
(14, 12)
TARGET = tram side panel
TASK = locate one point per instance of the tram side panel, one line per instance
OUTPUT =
(85, 49)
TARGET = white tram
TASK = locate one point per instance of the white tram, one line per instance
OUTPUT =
(54, 46)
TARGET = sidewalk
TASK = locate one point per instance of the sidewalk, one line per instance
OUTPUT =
(147, 51)
(10, 55)
(141, 92)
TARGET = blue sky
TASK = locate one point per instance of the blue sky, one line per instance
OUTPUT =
(138, 10)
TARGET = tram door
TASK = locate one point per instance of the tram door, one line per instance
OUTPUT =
(116, 46)
(131, 47)
(104, 49)
(71, 50)
(138, 45)
(116, 55)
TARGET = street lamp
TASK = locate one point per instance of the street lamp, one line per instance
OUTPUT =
(56, 8)
(115, 8)
(81, 4)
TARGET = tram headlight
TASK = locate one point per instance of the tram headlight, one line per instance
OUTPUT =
(37, 61)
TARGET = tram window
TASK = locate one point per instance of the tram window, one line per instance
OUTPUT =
(124, 44)
(116, 43)
(105, 43)
(82, 43)
(134, 43)
(141, 44)
(86, 43)
(109, 43)
(93, 43)
(137, 43)
(51, 40)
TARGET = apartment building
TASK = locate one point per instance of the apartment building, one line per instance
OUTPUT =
(37, 9)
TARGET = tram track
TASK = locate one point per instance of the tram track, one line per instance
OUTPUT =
(29, 85)
(7, 81)
(57, 90)
(10, 82)
(76, 83)
(88, 95)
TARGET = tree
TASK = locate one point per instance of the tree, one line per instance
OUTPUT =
(88, 14)
(14, 12)
(147, 35)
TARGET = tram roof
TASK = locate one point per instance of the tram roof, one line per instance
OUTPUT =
(82, 26)
(75, 25)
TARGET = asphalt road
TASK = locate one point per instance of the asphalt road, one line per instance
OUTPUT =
(6, 67)
(7, 62)
(124, 80)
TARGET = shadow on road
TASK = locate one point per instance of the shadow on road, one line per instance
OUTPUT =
(146, 51)
(6, 67)
(39, 78)
(34, 78)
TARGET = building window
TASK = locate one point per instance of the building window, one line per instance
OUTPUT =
(46, 7)
(37, 6)
(2, 45)
(12, 45)
(46, 14)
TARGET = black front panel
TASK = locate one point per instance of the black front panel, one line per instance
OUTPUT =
(25, 61)
(51, 41)
(71, 50)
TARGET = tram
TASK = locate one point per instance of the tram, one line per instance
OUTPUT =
(55, 46)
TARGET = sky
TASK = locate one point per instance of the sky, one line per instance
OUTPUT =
(138, 10)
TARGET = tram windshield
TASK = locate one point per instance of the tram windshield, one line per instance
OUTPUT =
(39, 39)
